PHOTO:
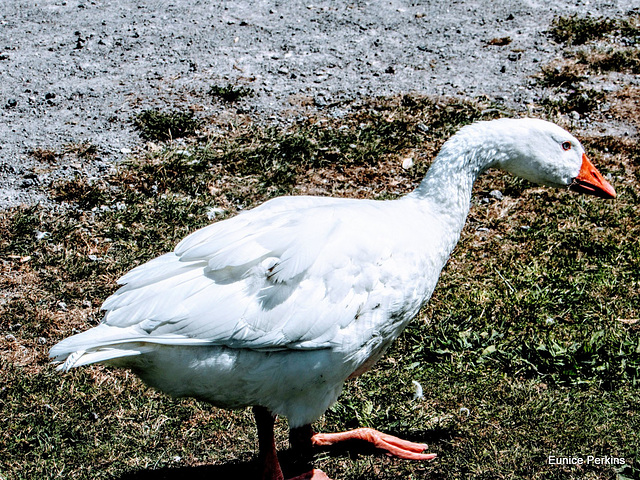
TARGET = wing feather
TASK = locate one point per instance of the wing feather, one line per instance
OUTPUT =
(269, 279)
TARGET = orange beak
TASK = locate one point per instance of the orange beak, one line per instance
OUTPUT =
(590, 181)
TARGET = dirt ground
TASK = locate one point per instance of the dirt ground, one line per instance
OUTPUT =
(74, 73)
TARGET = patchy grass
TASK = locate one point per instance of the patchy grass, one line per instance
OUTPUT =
(44, 155)
(567, 75)
(576, 30)
(160, 126)
(82, 150)
(229, 93)
(612, 60)
(614, 51)
(528, 348)
(581, 100)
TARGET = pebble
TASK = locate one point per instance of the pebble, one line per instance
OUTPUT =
(418, 395)
(213, 212)
(497, 194)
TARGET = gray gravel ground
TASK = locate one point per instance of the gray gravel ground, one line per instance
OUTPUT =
(77, 71)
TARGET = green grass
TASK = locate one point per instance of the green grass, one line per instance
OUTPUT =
(229, 93)
(160, 126)
(579, 99)
(576, 30)
(528, 348)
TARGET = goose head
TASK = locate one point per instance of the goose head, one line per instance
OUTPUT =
(546, 154)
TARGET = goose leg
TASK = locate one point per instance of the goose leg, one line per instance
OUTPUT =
(268, 456)
(267, 444)
(396, 447)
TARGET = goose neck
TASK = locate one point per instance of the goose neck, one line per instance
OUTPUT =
(449, 181)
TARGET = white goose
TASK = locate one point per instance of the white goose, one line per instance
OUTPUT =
(277, 307)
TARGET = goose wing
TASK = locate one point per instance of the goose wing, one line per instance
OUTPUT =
(287, 275)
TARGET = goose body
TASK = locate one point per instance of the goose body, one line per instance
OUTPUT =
(278, 306)
(299, 306)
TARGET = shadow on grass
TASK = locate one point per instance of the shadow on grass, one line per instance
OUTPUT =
(230, 471)
(292, 465)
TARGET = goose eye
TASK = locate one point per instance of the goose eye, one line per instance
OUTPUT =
(566, 145)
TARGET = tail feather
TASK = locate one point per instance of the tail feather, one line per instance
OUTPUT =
(104, 343)
(82, 357)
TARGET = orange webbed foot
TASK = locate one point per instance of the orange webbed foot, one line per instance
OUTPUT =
(393, 446)
(314, 474)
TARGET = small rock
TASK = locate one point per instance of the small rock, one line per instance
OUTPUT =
(418, 395)
(125, 151)
(497, 194)
(49, 95)
(407, 163)
(500, 41)
(10, 338)
(42, 341)
(213, 212)
(62, 306)
(11, 103)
